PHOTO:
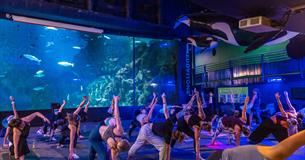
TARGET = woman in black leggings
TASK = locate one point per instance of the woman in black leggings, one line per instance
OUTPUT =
(110, 136)
(280, 151)
(56, 120)
(277, 125)
(159, 134)
(191, 124)
(19, 129)
(70, 129)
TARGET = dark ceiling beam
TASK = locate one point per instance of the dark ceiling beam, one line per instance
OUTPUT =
(66, 14)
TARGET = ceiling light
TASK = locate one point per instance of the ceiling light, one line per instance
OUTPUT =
(53, 24)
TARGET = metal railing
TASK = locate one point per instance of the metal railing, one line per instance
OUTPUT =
(248, 69)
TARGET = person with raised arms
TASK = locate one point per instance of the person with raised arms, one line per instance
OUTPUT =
(280, 151)
(159, 134)
(108, 135)
(192, 123)
(236, 124)
(18, 132)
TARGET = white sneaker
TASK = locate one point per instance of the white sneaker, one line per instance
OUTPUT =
(75, 156)
(53, 139)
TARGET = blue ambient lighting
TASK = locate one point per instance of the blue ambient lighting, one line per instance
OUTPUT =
(274, 79)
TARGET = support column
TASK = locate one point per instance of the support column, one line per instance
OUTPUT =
(134, 71)
(302, 67)
(180, 80)
(231, 72)
(205, 77)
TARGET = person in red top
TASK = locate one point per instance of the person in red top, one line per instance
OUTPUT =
(234, 123)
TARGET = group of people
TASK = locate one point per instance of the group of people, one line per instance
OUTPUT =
(17, 132)
(107, 139)
(18, 129)
(283, 125)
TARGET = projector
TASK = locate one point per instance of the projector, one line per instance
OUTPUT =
(257, 24)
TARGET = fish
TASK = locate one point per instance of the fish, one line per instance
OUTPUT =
(154, 84)
(49, 44)
(31, 57)
(113, 59)
(76, 47)
(39, 75)
(39, 72)
(39, 88)
(3, 74)
(100, 99)
(106, 37)
(81, 88)
(66, 64)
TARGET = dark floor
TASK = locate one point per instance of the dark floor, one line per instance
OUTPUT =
(47, 150)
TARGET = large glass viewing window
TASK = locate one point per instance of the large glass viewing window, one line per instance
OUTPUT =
(40, 65)
(155, 69)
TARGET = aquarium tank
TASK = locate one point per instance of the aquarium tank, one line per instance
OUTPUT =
(40, 65)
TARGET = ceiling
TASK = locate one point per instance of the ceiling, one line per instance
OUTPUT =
(239, 9)
(161, 13)
(245, 8)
